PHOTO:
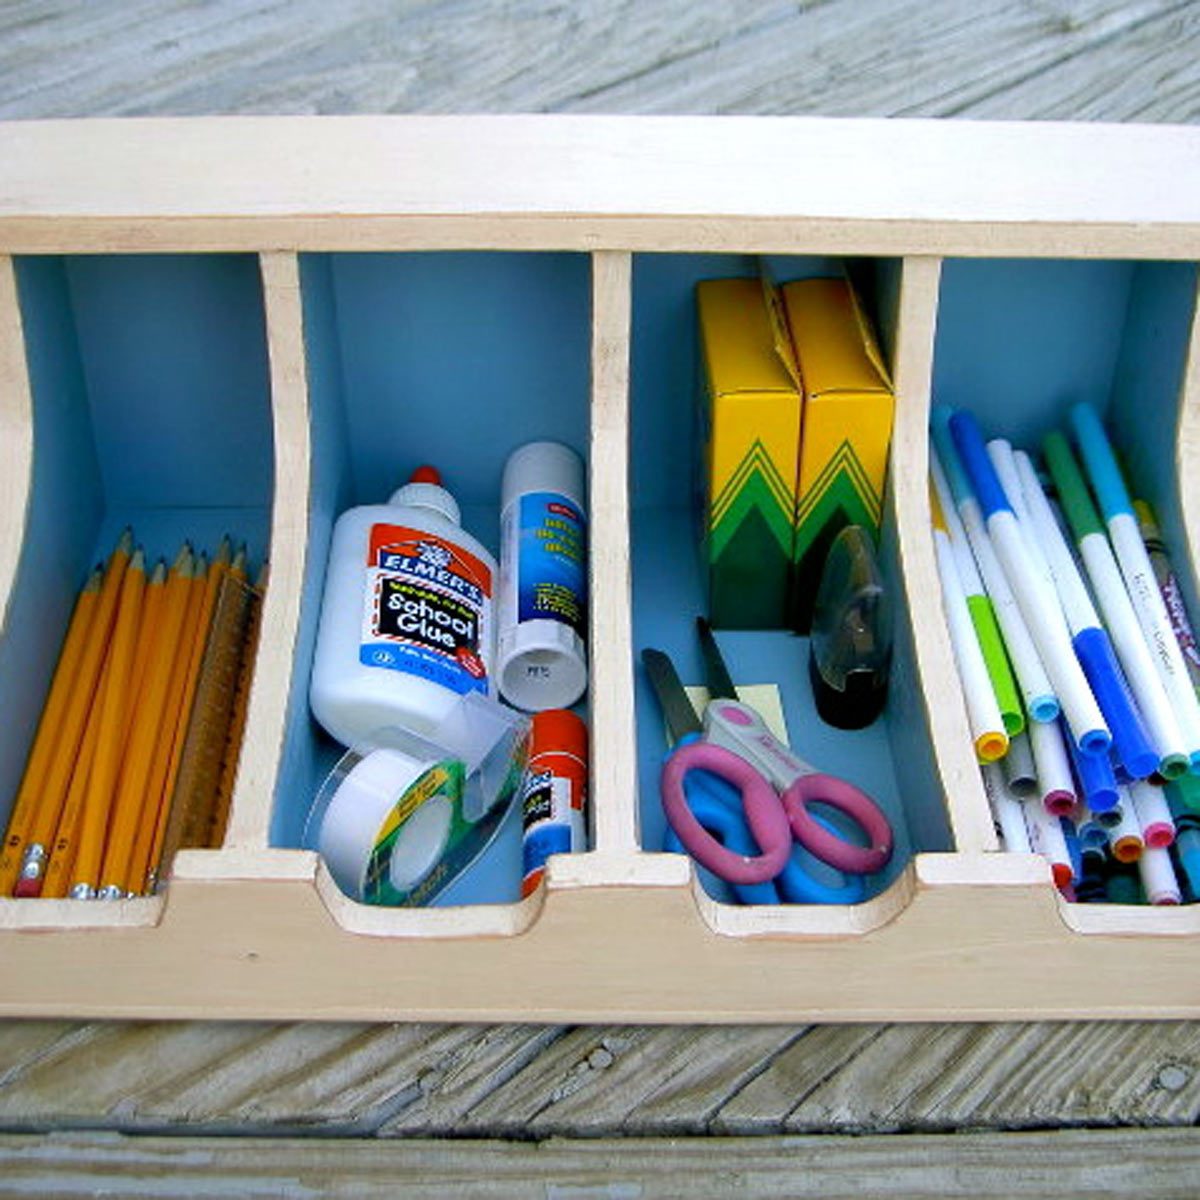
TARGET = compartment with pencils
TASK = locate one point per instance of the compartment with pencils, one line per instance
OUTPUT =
(151, 445)
(245, 327)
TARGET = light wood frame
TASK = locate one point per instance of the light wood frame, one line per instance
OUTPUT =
(617, 933)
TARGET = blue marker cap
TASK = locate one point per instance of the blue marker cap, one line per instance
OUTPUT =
(1103, 472)
(968, 438)
(1097, 782)
(943, 444)
(1130, 739)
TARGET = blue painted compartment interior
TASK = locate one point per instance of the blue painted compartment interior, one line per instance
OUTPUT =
(1019, 342)
(151, 408)
(453, 359)
(668, 583)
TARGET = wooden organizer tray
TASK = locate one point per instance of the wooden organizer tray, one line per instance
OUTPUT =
(259, 322)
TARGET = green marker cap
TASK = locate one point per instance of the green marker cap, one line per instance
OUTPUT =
(1072, 490)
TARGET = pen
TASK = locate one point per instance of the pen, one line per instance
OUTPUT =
(1138, 572)
(983, 616)
(1039, 606)
(1092, 646)
(1036, 693)
(983, 713)
(1116, 606)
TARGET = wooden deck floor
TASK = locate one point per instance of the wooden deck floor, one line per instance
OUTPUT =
(354, 1105)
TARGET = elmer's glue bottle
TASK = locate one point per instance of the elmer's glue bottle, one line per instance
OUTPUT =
(407, 624)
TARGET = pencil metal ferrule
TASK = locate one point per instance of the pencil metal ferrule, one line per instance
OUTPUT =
(83, 891)
(110, 891)
(34, 861)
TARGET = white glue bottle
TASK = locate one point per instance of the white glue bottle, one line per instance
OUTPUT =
(541, 661)
(407, 624)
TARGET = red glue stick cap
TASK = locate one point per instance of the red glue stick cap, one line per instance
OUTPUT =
(561, 730)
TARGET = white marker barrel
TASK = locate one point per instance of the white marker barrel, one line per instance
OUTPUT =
(1007, 810)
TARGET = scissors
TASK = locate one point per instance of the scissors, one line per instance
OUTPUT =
(733, 760)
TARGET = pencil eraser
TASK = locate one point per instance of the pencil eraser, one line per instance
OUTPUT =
(27, 889)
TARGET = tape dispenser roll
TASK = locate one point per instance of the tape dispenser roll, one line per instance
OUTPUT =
(401, 816)
(388, 822)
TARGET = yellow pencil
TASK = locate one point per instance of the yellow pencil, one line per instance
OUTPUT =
(145, 727)
(65, 747)
(110, 739)
(156, 587)
(156, 796)
(32, 782)
(57, 877)
(208, 603)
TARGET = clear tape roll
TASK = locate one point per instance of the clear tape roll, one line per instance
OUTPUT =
(372, 796)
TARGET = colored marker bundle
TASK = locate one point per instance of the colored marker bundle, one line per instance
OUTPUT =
(94, 807)
(1070, 643)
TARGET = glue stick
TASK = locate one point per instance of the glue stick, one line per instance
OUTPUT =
(541, 661)
(553, 799)
(407, 626)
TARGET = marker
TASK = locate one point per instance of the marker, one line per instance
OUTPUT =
(1125, 838)
(1097, 782)
(1091, 833)
(1036, 693)
(1153, 813)
(1008, 813)
(1138, 573)
(983, 616)
(1089, 888)
(1039, 606)
(1052, 764)
(1158, 877)
(1074, 851)
(1092, 646)
(1119, 616)
(983, 713)
(1020, 773)
(1046, 838)
(1123, 885)
(1186, 852)
(1168, 586)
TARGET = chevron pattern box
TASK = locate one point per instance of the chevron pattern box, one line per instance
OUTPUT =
(752, 429)
(848, 409)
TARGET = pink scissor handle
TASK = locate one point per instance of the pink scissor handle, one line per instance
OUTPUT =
(765, 817)
(828, 847)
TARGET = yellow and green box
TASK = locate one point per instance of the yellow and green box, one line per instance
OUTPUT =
(848, 410)
(751, 414)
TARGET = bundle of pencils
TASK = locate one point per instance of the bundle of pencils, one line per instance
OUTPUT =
(1072, 643)
(92, 813)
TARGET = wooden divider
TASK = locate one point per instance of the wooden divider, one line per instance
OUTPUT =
(254, 792)
(16, 432)
(940, 692)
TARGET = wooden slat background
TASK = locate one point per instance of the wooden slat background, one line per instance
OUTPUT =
(1043, 59)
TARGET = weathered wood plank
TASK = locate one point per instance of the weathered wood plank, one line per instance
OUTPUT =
(357, 56)
(950, 1077)
(1148, 73)
(246, 1077)
(1145, 1163)
(1068, 58)
(611, 1079)
(843, 58)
